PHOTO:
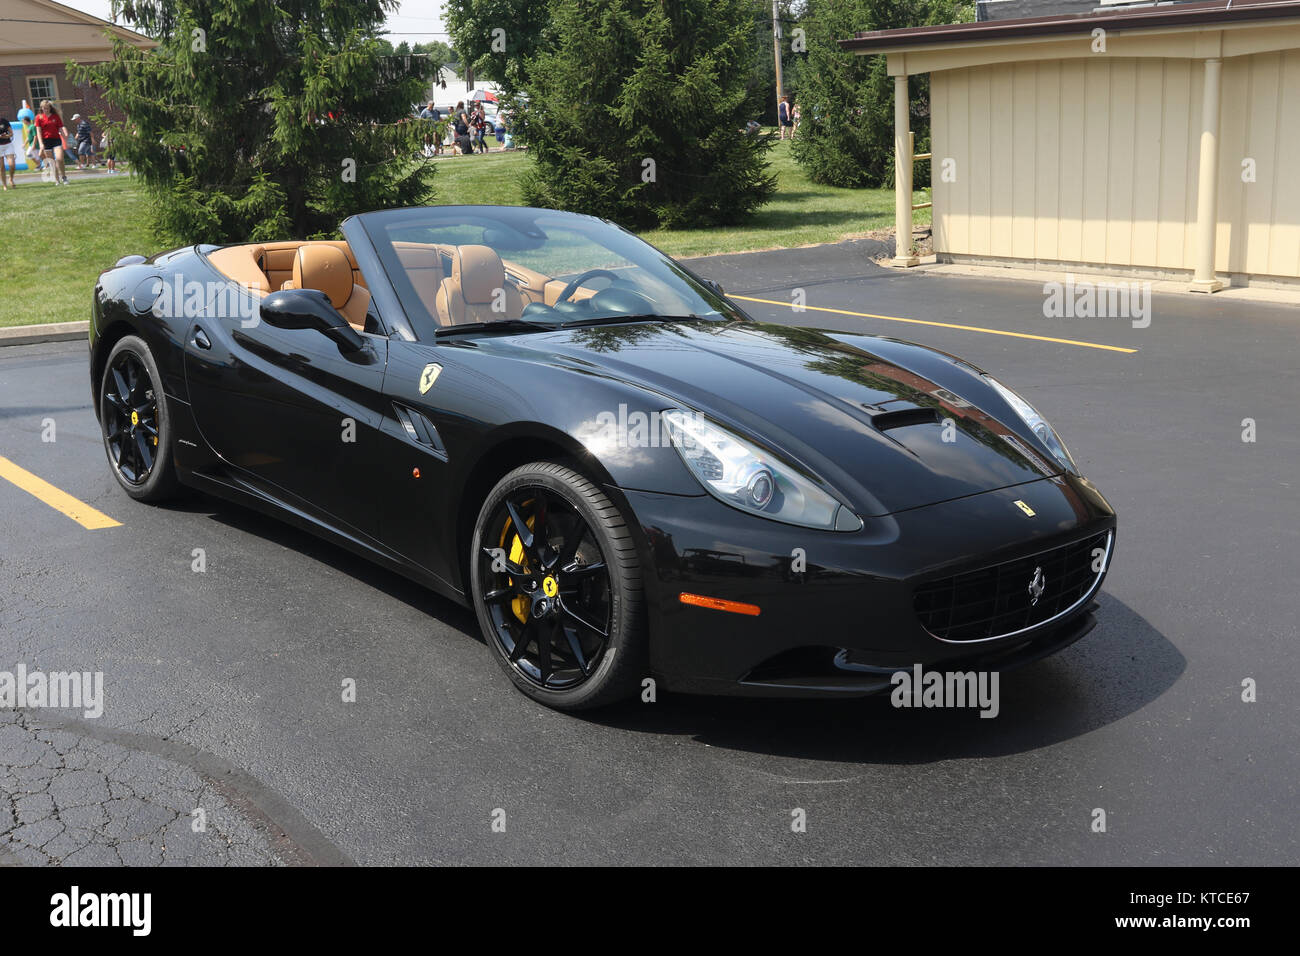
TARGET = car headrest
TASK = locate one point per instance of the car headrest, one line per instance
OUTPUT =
(242, 264)
(418, 257)
(478, 272)
(258, 254)
(325, 268)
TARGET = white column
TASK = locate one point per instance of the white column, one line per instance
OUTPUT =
(902, 176)
(1207, 189)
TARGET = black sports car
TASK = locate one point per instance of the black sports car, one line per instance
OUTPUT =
(539, 415)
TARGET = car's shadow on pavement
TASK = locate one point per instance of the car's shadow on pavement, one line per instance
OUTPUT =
(1115, 671)
(1112, 672)
(366, 572)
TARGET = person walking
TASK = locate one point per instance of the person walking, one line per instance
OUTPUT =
(8, 153)
(783, 117)
(29, 146)
(50, 133)
(461, 123)
(85, 144)
(106, 150)
(432, 141)
(478, 128)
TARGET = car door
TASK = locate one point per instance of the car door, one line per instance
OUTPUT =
(428, 394)
(297, 417)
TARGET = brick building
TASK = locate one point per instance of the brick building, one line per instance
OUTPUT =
(37, 39)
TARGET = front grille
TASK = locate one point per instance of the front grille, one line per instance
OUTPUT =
(995, 601)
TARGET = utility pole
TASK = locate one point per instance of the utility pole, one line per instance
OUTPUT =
(776, 51)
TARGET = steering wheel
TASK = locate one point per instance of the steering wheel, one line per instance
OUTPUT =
(573, 285)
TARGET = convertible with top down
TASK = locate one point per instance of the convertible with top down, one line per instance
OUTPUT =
(538, 415)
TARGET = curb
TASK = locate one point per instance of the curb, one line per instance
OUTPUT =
(1238, 294)
(49, 332)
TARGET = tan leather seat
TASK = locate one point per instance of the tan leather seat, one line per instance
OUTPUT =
(264, 266)
(277, 259)
(423, 267)
(326, 268)
(477, 283)
(241, 263)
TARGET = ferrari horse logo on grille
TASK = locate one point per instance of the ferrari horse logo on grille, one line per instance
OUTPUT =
(429, 376)
(1037, 585)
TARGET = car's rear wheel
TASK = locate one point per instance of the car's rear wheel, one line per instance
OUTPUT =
(134, 421)
(557, 588)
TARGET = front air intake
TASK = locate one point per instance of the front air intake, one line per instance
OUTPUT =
(1006, 599)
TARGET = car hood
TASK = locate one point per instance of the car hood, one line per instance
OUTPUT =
(888, 424)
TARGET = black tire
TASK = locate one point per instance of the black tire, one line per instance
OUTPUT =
(592, 674)
(139, 452)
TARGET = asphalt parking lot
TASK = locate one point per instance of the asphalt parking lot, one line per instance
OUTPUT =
(222, 688)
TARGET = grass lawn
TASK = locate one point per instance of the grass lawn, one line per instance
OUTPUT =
(58, 239)
(802, 213)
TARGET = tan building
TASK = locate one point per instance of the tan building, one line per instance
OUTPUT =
(37, 38)
(1156, 141)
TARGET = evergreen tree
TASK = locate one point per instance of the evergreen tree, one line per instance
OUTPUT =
(636, 113)
(846, 134)
(258, 121)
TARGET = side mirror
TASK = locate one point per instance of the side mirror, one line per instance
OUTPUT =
(310, 309)
(715, 286)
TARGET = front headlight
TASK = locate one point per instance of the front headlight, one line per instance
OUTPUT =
(745, 477)
(1037, 424)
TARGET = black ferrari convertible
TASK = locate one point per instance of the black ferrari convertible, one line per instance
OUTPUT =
(537, 414)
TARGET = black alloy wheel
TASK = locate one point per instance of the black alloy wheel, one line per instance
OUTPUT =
(133, 419)
(557, 587)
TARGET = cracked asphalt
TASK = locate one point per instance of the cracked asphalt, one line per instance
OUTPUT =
(223, 688)
(77, 801)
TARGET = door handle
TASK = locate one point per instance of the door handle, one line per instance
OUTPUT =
(200, 339)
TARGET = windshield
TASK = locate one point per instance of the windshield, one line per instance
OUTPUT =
(461, 265)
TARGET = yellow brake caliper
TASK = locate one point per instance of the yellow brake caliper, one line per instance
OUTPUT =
(519, 604)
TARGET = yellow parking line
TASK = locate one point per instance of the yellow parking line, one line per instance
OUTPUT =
(78, 511)
(942, 325)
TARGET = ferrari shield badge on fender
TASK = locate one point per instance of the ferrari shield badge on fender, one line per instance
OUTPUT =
(1019, 504)
(429, 376)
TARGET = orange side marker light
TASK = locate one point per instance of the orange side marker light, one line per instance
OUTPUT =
(718, 604)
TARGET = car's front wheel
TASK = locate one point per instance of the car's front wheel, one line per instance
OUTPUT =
(134, 421)
(557, 587)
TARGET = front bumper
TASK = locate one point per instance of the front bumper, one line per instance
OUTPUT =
(847, 621)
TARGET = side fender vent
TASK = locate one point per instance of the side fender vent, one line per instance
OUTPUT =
(419, 429)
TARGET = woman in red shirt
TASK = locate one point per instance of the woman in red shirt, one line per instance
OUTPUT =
(49, 130)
